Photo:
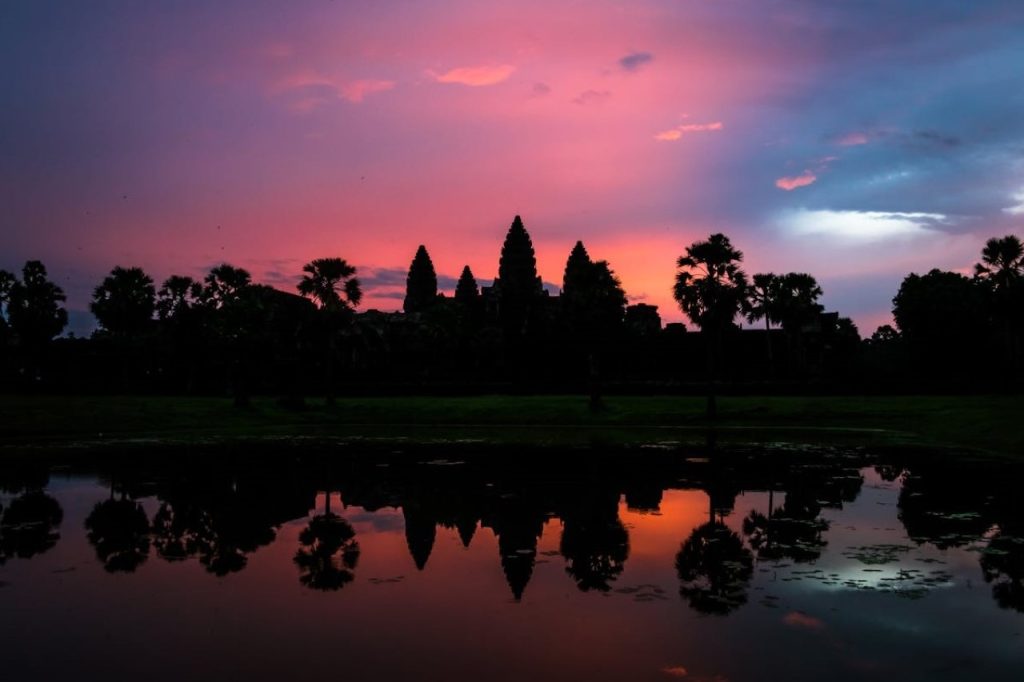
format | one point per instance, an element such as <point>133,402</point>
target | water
<point>457,562</point>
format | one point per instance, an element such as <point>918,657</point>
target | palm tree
<point>761,302</point>
<point>1002,268</point>
<point>711,289</point>
<point>332,284</point>
<point>124,303</point>
<point>1002,262</point>
<point>797,306</point>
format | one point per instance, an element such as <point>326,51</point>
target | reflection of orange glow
<point>802,620</point>
<point>652,536</point>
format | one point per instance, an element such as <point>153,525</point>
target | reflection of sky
<point>858,141</point>
<point>456,618</point>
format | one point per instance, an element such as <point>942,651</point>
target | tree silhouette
<point>178,296</point>
<point>711,289</point>
<point>118,530</point>
<point>124,303</point>
<point>420,284</point>
<point>7,281</point>
<point>1002,269</point>
<point>29,525</point>
<point>761,303</point>
<point>796,303</point>
<point>333,284</point>
<point>328,551</point>
<point>34,309</point>
<point>184,324</point>
<point>224,284</point>
<point>796,307</point>
<point>943,318</point>
<point>1002,262</point>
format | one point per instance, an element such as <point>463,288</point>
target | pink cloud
<point>852,139</point>
<point>790,183</point>
<point>677,132</point>
<point>475,76</point>
<point>352,91</point>
<point>357,90</point>
<point>799,619</point>
<point>303,79</point>
<point>675,671</point>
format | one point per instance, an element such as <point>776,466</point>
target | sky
<point>858,141</point>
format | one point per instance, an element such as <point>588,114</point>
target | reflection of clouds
<point>387,520</point>
<point>800,619</point>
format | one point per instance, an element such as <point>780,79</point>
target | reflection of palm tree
<point>218,527</point>
<point>119,531</point>
<point>943,507</point>
<point>1002,564</point>
<point>595,550</point>
<point>328,552</point>
<point>29,525</point>
<point>793,532</point>
<point>714,569</point>
<point>180,530</point>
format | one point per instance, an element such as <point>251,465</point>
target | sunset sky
<point>857,141</point>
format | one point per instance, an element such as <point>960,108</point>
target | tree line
<point>225,333</point>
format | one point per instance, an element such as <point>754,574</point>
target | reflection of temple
<point>219,517</point>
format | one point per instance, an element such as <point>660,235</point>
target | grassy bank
<point>987,423</point>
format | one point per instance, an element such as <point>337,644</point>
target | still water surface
<point>460,563</point>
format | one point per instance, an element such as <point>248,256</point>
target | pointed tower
<point>466,291</point>
<point>421,284</point>
<point>517,269</point>
<point>575,269</point>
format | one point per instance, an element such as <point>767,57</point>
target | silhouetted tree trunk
<point>768,342</point>
<point>712,350</point>
<point>332,350</point>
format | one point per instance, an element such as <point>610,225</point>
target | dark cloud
<point>634,60</point>
<point>931,137</point>
<point>541,89</point>
<point>592,97</point>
